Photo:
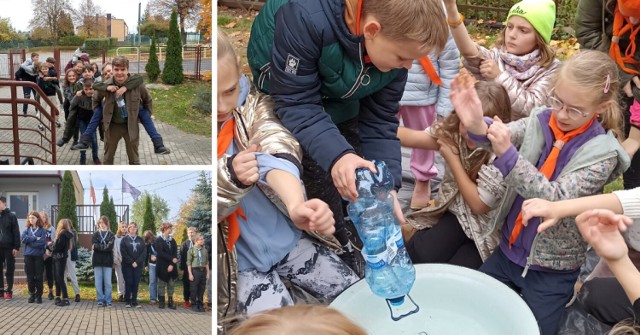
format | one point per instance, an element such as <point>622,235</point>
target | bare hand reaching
<point>467,104</point>
<point>500,136</point>
<point>313,215</point>
<point>245,165</point>
<point>601,229</point>
<point>343,173</point>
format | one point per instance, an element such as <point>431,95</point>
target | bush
<point>153,66</point>
<point>202,102</point>
<point>70,40</point>
<point>97,43</point>
<point>172,73</point>
<point>113,41</point>
<point>84,270</point>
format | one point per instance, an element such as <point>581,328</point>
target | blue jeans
<point>102,282</point>
<point>94,141</point>
<point>131,282</point>
<point>153,283</point>
<point>143,115</point>
<point>26,90</point>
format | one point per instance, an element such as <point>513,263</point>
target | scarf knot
<point>521,67</point>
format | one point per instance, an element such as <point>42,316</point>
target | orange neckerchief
<point>622,25</point>
<point>549,165</point>
<point>430,70</point>
<point>225,136</point>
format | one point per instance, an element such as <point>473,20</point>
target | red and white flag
<point>93,195</point>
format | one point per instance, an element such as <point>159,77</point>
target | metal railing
<point>17,130</point>
<point>88,216</point>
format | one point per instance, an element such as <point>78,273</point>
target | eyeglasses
<point>557,104</point>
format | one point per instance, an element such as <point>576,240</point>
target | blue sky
<point>19,15</point>
<point>173,186</point>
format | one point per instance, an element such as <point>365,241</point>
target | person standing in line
<point>48,262</point>
<point>152,256</point>
<point>9,246</point>
<point>102,243</point>
<point>184,248</point>
<point>197,264</point>
<point>117,259</point>
<point>167,265</point>
<point>70,270</point>
<point>59,251</point>
<point>133,255</point>
<point>33,238</point>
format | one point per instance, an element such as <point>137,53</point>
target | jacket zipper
<point>264,72</point>
<point>361,76</point>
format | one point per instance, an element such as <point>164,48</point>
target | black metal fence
<point>88,216</point>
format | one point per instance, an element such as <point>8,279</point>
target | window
<point>22,203</point>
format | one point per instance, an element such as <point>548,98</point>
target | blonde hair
<point>225,48</point>
<point>64,225</point>
<point>299,319</point>
<point>547,55</point>
<point>625,328</point>
<point>596,74</point>
<point>495,102</point>
<point>120,229</point>
<point>46,224</point>
<point>423,21</point>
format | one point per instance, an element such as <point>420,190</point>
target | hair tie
<point>607,84</point>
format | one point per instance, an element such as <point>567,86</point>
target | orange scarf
<point>225,136</point>
<point>621,26</point>
<point>549,165</point>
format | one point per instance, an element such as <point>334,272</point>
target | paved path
<point>186,149</point>
<point>86,317</point>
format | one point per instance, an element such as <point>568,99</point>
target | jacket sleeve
<point>162,251</point>
<point>523,100</point>
<point>15,230</point>
<point>228,193</point>
<point>142,256</point>
<point>25,238</point>
<point>96,100</point>
<point>39,243</point>
<point>378,126</point>
<point>183,254</point>
<point>588,24</point>
<point>449,66</point>
<point>298,101</point>
<point>133,81</point>
<point>189,257</point>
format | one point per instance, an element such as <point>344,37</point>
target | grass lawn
<point>175,106</point>
<point>88,291</point>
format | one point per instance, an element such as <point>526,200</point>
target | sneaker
<point>41,127</point>
<point>64,302</point>
<point>60,142</point>
<point>58,124</point>
<point>128,305</point>
<point>187,304</point>
<point>39,300</point>
<point>57,301</point>
<point>96,161</point>
<point>137,306</point>
<point>8,296</point>
<point>194,308</point>
<point>77,298</point>
<point>109,305</point>
<point>100,304</point>
<point>32,299</point>
<point>80,146</point>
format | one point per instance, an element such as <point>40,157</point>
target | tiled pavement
<point>186,149</point>
<point>85,317</point>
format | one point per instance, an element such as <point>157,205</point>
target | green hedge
<point>97,43</point>
<point>70,40</point>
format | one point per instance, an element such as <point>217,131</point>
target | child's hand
<point>500,137</point>
<point>169,268</point>
<point>533,208</point>
<point>489,69</point>
<point>343,173</point>
<point>601,229</point>
<point>313,215</point>
<point>191,277</point>
<point>245,166</point>
<point>447,150</point>
<point>121,91</point>
<point>112,88</point>
<point>467,104</point>
<point>79,93</point>
<point>153,258</point>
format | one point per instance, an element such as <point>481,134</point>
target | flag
<point>93,195</point>
<point>127,188</point>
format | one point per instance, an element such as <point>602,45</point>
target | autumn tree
<point>205,18</point>
<point>85,19</point>
<point>7,32</point>
<point>188,12</point>
<point>51,19</point>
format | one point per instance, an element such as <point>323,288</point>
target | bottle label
<point>377,261</point>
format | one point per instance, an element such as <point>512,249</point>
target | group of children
<point>120,101</point>
<point>527,126</point>
<point>124,251</point>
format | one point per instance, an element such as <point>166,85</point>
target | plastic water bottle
<point>389,270</point>
<point>123,107</point>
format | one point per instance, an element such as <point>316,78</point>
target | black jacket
<point>60,248</point>
<point>9,230</point>
<point>166,253</point>
<point>133,251</point>
<point>102,250</point>
<point>184,248</point>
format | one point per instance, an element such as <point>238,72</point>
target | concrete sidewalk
<point>86,317</point>
<point>186,149</point>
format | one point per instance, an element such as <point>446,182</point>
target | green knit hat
<point>540,13</point>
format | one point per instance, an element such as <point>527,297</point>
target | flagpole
<point>122,190</point>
